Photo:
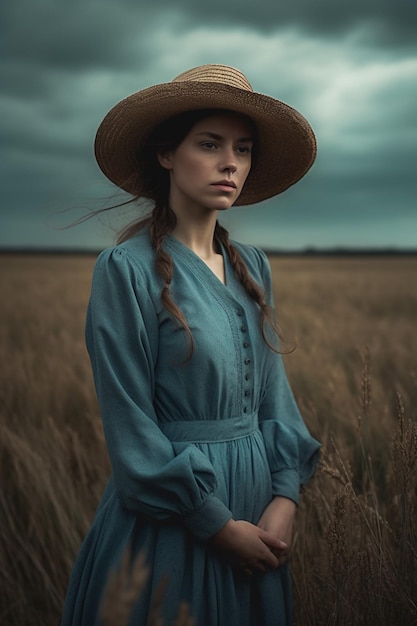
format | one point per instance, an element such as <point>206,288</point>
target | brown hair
<point>167,136</point>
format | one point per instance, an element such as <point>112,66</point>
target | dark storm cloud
<point>86,34</point>
<point>350,67</point>
<point>386,22</point>
<point>80,34</point>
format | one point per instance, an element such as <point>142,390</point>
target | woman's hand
<point>278,521</point>
<point>248,547</point>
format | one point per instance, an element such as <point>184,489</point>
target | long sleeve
<point>292,452</point>
<point>151,476</point>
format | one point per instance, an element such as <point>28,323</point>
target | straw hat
<point>287,145</point>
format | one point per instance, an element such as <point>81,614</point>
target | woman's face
<point>209,167</point>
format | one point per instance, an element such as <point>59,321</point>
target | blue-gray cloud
<point>351,68</point>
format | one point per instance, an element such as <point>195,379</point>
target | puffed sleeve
<point>292,452</point>
<point>122,341</point>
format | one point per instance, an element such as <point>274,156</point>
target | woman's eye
<point>243,149</point>
<point>209,145</point>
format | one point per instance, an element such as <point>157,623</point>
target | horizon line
<point>306,250</point>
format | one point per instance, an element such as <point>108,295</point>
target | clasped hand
<point>258,548</point>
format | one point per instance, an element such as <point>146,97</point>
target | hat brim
<point>287,145</point>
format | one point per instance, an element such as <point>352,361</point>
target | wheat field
<point>353,372</point>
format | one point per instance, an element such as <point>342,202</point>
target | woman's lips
<point>225,185</point>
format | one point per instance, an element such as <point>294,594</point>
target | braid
<point>162,221</point>
<point>251,287</point>
<point>152,182</point>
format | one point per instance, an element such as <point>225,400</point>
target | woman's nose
<point>228,163</point>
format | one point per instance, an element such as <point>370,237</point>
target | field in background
<point>354,373</point>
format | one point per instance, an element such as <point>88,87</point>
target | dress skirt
<point>217,594</point>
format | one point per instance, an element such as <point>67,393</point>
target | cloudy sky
<point>349,67</point>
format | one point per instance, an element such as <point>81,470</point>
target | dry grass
<point>354,374</point>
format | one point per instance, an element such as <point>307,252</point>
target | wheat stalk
<point>123,589</point>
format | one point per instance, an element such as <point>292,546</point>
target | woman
<point>208,449</point>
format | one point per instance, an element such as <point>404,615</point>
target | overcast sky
<point>349,67</point>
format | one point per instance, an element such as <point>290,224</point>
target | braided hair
<point>162,220</point>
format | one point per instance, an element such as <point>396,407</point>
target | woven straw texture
<point>287,145</point>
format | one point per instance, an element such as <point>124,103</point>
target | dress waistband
<point>211,430</point>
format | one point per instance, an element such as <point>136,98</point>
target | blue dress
<point>192,443</point>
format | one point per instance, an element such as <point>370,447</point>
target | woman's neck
<point>197,234</point>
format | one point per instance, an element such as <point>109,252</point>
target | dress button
<point>246,345</point>
<point>239,313</point>
<point>247,361</point>
<point>247,393</point>
<point>246,376</point>
<point>243,329</point>
<point>245,409</point>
